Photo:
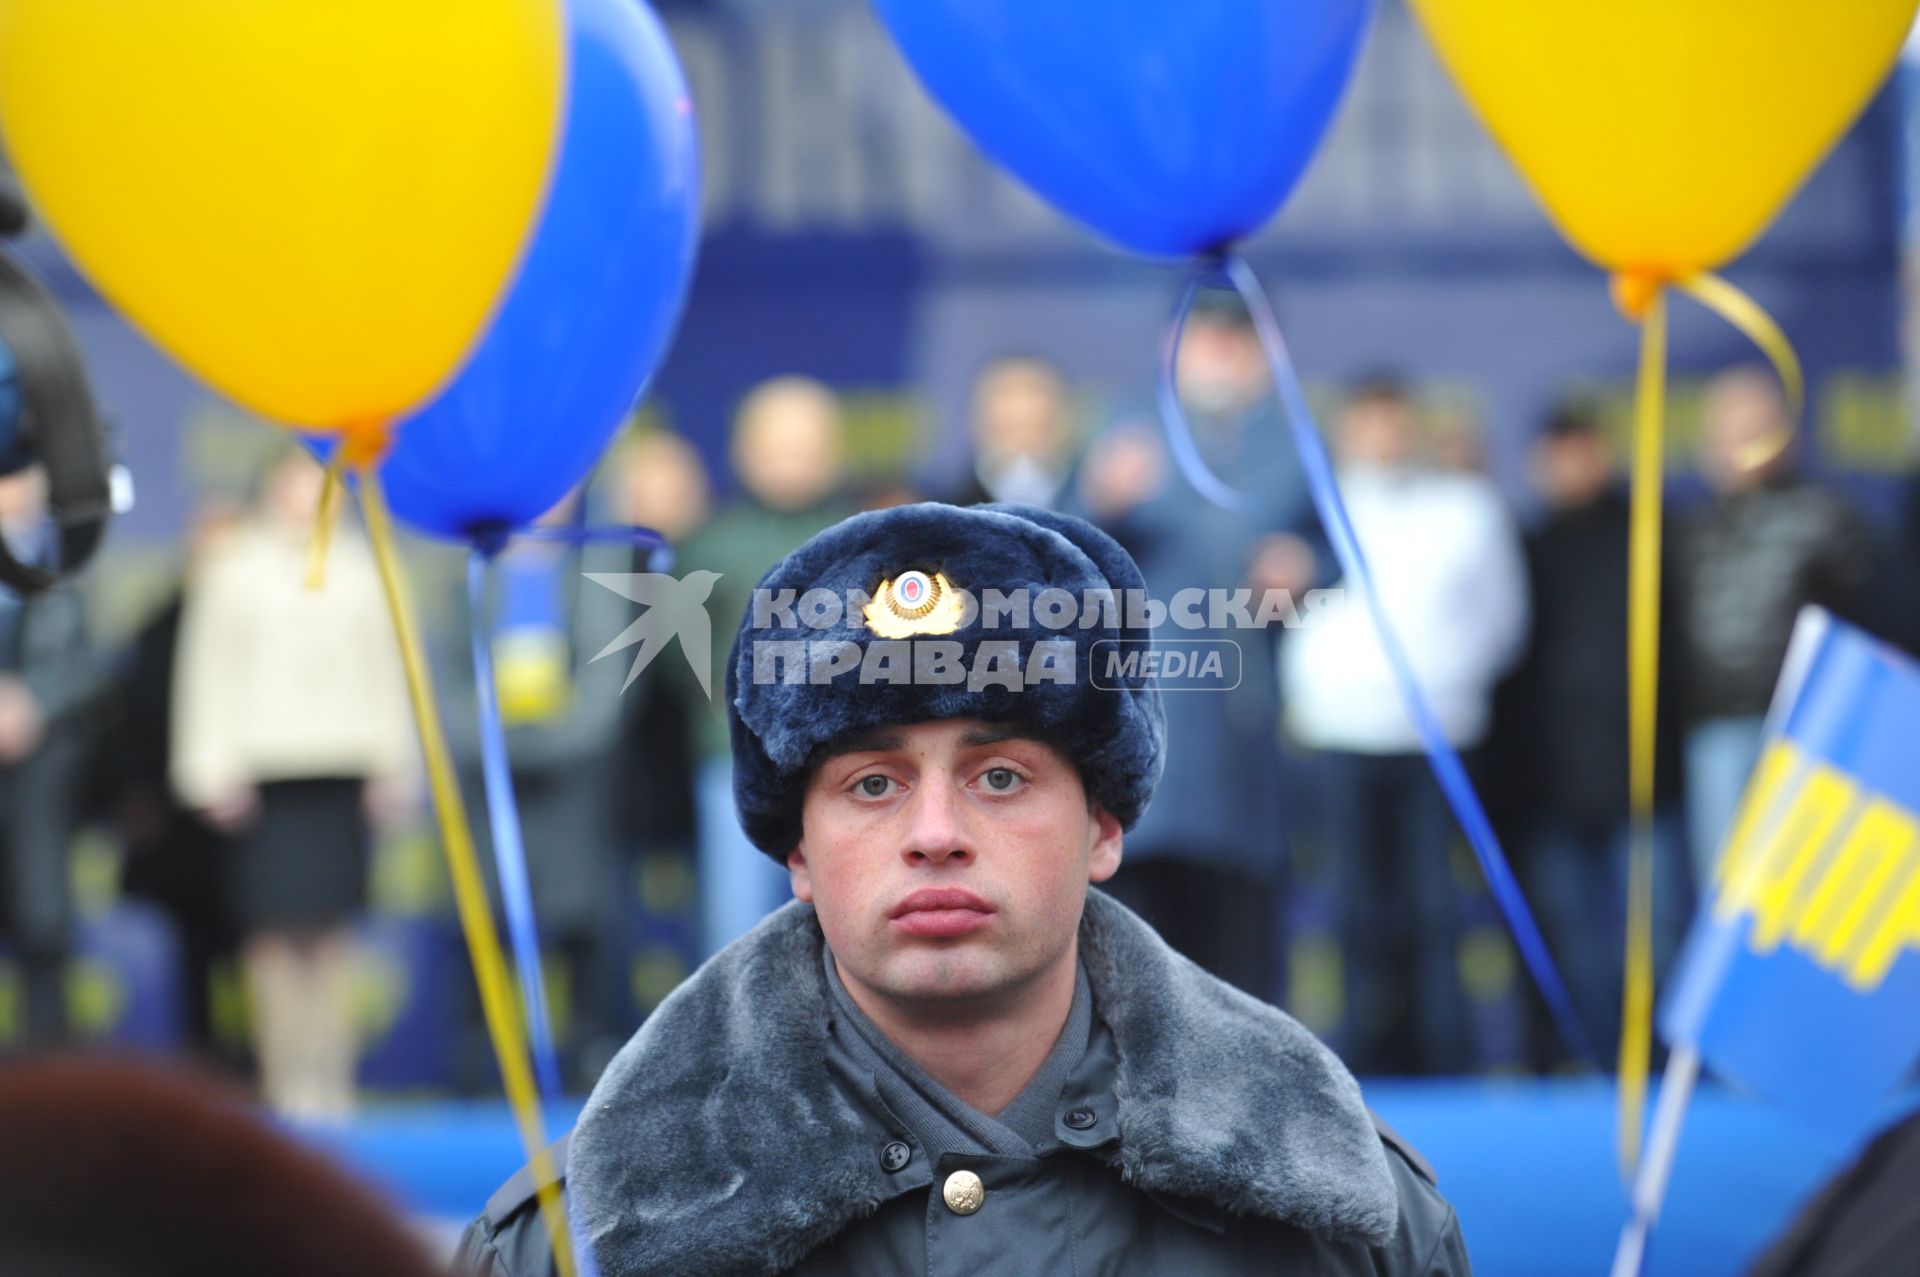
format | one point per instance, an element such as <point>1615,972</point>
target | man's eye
<point>1003,780</point>
<point>874,786</point>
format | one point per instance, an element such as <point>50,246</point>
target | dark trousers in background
<point>1224,920</point>
<point>1576,882</point>
<point>37,912</point>
<point>1388,837</point>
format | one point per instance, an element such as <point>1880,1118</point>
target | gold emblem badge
<point>914,603</point>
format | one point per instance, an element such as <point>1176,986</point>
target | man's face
<point>1220,367</point>
<point>1378,430</point>
<point>1744,413</point>
<point>1573,469</point>
<point>949,861</point>
<point>1019,410</point>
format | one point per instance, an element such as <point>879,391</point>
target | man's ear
<point>798,873</point>
<point>1104,857</point>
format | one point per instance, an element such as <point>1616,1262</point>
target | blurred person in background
<point>1769,543</point>
<point>1021,424</point>
<point>1560,742</point>
<point>560,713</point>
<point>121,1170</point>
<point>656,479</point>
<point>292,734</point>
<point>1457,439</point>
<point>1446,559</point>
<point>174,856</point>
<point>1205,864</point>
<point>46,679</point>
<point>787,452</point>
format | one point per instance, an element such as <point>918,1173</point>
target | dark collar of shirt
<point>1068,1104</point>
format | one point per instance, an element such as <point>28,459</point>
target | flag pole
<point>1650,1185</point>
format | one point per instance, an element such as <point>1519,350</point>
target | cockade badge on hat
<point>914,603</point>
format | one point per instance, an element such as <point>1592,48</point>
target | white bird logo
<point>676,609</point>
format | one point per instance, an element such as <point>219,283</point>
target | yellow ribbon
<point>1643,681</point>
<point>1643,300</point>
<point>323,521</point>
<point>1744,313</point>
<point>360,445</point>
<point>469,892</point>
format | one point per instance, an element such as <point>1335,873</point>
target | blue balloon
<point>1172,127</point>
<point>595,303</point>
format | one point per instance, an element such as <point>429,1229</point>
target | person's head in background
<point>121,1170</point>
<point>657,480</point>
<point>288,493</point>
<point>1572,463</point>
<point>1220,369</point>
<point>1741,428</point>
<point>1377,425</point>
<point>1456,439</point>
<point>787,443</point>
<point>214,515</point>
<point>1020,418</point>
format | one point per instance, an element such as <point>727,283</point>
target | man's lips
<point>941,911</point>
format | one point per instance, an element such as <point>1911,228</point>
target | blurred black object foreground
<point>48,419</point>
<point>116,1169</point>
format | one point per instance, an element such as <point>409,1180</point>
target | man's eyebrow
<point>881,741</point>
<point>874,742</point>
<point>994,734</point>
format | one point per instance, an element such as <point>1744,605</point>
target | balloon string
<point>1180,440</point>
<point>361,444</point>
<point>1448,770</point>
<point>1643,682</point>
<point>323,520</point>
<point>1642,299</point>
<point>503,809</point>
<point>470,897</point>
<point>1745,314</point>
<point>509,848</point>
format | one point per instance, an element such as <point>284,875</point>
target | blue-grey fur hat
<point>811,662</point>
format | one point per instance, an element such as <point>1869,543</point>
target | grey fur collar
<point>716,1142</point>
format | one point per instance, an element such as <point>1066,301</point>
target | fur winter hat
<point>1009,613</point>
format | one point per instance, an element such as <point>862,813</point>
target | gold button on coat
<point>964,1192</point>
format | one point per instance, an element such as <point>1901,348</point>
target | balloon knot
<point>364,444</point>
<point>1634,291</point>
<point>491,538</point>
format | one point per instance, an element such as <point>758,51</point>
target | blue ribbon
<point>503,811</point>
<point>1233,272</point>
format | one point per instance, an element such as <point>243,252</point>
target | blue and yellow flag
<point>1801,979</point>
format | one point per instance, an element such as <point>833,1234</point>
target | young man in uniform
<point>948,1055</point>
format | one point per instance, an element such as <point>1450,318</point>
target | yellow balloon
<point>1664,135</point>
<point>313,204</point>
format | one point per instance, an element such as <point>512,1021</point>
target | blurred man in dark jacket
<point>46,677</point>
<point>1560,743</point>
<point>788,451</point>
<point>1770,543</point>
<point>1206,871</point>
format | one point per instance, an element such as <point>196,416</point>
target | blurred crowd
<point>246,754</point>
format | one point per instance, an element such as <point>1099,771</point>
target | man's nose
<point>937,826</point>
